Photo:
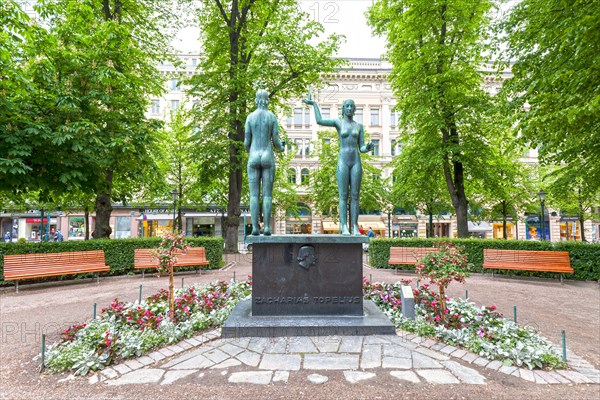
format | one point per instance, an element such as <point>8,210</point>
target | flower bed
<point>479,329</point>
<point>125,330</point>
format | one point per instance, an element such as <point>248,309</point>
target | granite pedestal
<point>306,285</point>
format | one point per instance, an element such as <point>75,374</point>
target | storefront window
<point>76,227</point>
<point>123,227</point>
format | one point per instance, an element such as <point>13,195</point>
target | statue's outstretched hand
<point>370,146</point>
<point>309,100</point>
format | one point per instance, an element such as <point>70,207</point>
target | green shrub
<point>118,253</point>
<point>585,257</point>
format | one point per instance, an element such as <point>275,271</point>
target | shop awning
<point>330,226</point>
<point>479,227</point>
<point>375,225</point>
<point>153,217</point>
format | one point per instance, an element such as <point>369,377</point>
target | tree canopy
<point>553,49</point>
<point>247,44</point>
<point>437,50</point>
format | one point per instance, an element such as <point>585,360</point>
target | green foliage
<point>554,96</point>
<point>585,257</point>
<point>248,44</point>
<point>117,253</point>
<point>437,51</point>
<point>443,266</point>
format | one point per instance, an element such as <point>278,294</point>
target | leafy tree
<point>177,163</point>
<point>421,188</point>
<point>95,67</point>
<point>574,195</point>
<point>14,88</point>
<point>553,48</point>
<point>437,50</point>
<point>244,42</point>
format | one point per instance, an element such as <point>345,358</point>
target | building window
<point>298,146</point>
<point>297,117</point>
<point>76,227</point>
<point>289,121</point>
<point>174,105</point>
<point>396,147</point>
<point>358,115</point>
<point>375,151</point>
<point>304,176</point>
<point>175,85</point>
<point>306,117</point>
<point>393,120</point>
<point>123,227</point>
<point>155,107</point>
<point>326,113</point>
<point>194,62</point>
<point>292,176</point>
<point>307,147</point>
<point>374,116</point>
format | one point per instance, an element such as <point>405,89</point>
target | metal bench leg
<point>97,277</point>
<point>492,274</point>
<point>143,272</point>
<point>17,286</point>
<point>561,281</point>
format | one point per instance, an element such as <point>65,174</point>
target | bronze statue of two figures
<point>262,134</point>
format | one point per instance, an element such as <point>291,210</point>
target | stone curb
<point>581,371</point>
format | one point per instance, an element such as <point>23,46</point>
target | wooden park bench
<point>40,265</point>
<point>194,257</point>
<point>527,260</point>
<point>408,255</point>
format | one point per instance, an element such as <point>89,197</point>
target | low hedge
<point>118,253</point>
<point>585,257</point>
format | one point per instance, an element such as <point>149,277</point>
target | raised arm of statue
<point>324,122</point>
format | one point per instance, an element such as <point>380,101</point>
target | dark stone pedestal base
<point>241,323</point>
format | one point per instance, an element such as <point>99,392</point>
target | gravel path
<point>544,304</point>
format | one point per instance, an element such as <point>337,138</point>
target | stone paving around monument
<point>261,361</point>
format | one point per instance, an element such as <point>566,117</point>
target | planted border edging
<point>585,257</point>
<point>118,253</point>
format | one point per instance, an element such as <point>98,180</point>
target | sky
<point>344,17</point>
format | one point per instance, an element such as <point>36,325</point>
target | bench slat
<point>195,256</point>
<point>409,255</point>
<point>527,260</point>
<point>38,265</point>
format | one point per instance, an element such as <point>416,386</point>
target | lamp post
<point>542,196</point>
<point>175,194</point>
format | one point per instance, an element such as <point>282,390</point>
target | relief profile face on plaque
<point>306,256</point>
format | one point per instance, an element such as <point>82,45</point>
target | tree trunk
<point>171,291</point>
<point>504,233</point>
<point>430,230</point>
<point>454,175</point>
<point>102,230</point>
<point>86,214</point>
<point>442,304</point>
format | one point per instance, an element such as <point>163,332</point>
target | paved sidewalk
<point>263,361</point>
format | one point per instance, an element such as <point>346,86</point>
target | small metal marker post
<point>371,279</point>
<point>140,300</point>
<point>182,283</point>
<point>564,345</point>
<point>94,310</point>
<point>515,313</point>
<point>467,294</point>
<point>44,351</point>
<point>233,276</point>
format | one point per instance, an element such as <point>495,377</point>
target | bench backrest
<point>409,255</point>
<point>547,259</point>
<point>145,257</point>
<point>17,265</point>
